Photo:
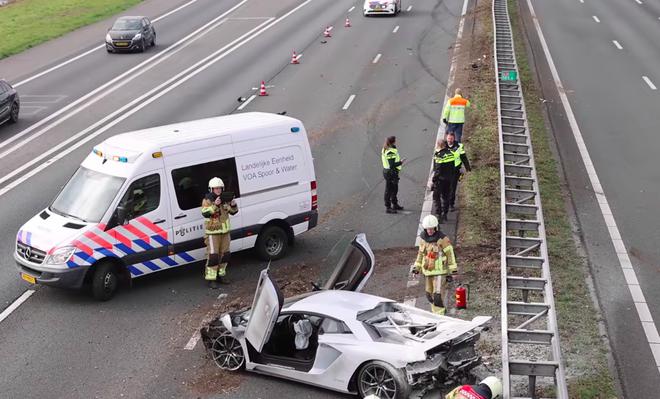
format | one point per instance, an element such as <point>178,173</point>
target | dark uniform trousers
<point>442,189</point>
<point>391,188</point>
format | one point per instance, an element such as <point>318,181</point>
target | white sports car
<point>391,7</point>
<point>344,340</point>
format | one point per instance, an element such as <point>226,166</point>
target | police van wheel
<point>272,243</point>
<point>105,282</point>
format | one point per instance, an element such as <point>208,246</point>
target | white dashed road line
<point>639,1</point>
<point>409,8</point>
<point>245,104</point>
<point>596,19</point>
<point>5,313</point>
<point>351,9</point>
<point>632,283</point>
<point>396,29</point>
<point>376,58</point>
<point>617,45</point>
<point>348,102</point>
<point>648,82</point>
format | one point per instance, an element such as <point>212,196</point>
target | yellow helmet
<point>216,182</point>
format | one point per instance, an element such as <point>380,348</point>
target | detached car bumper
<point>62,278</point>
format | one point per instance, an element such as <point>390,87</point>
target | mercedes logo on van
<point>27,253</point>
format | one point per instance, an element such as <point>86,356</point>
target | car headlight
<point>60,256</point>
<point>138,36</point>
<point>108,39</point>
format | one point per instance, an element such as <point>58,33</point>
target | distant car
<point>388,7</point>
<point>9,103</point>
<point>130,34</point>
<point>338,338</point>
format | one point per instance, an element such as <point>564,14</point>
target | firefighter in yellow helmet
<point>436,261</point>
<point>489,388</point>
<point>216,232</point>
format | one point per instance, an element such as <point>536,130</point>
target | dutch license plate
<point>121,44</point>
<point>28,278</point>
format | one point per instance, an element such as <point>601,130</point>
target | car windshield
<point>87,195</point>
<point>127,24</point>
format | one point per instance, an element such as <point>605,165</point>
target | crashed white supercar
<point>340,339</point>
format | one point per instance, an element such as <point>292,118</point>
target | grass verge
<point>27,23</point>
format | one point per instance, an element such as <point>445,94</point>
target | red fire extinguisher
<point>462,293</point>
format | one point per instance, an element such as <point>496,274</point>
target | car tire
<point>272,243</point>
<point>13,112</point>
<point>153,40</point>
<point>105,281</point>
<point>143,46</point>
<point>382,379</point>
<point>227,352</point>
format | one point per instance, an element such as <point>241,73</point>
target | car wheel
<point>13,113</point>
<point>153,40</point>
<point>227,352</point>
<point>105,281</point>
<point>382,380</point>
<point>143,46</point>
<point>272,243</point>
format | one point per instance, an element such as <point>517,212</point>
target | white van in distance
<point>134,205</point>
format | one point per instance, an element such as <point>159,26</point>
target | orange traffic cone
<point>294,58</point>
<point>347,24</point>
<point>326,32</point>
<point>262,89</point>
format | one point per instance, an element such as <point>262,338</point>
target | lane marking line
<point>348,102</point>
<point>376,58</point>
<point>245,104</point>
<point>639,1</point>
<point>76,58</point>
<point>596,18</point>
<point>396,29</point>
<point>14,305</point>
<point>141,68</point>
<point>582,1</point>
<point>138,103</point>
<point>351,9</point>
<point>617,45</point>
<point>409,8</point>
<point>624,261</point>
<point>192,342</point>
<point>648,82</point>
<point>427,205</point>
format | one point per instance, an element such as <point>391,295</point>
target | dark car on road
<point>130,34</point>
<point>9,103</point>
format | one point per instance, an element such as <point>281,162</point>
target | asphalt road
<point>63,344</point>
<point>602,51</point>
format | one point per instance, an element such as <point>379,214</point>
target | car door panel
<point>266,306</point>
<point>354,268</point>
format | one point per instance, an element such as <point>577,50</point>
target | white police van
<point>133,206</point>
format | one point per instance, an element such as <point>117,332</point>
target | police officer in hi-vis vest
<point>392,163</point>
<point>216,228</point>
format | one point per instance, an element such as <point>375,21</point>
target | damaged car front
<point>443,347</point>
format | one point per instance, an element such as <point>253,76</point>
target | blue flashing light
<point>295,129</point>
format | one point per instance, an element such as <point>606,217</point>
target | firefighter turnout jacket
<point>454,111</point>
<point>216,218</point>
<point>436,254</point>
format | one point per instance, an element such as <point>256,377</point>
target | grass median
<point>27,23</point>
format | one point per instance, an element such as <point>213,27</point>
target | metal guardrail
<point>530,349</point>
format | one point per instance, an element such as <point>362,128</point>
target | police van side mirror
<point>121,215</point>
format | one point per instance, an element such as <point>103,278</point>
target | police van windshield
<point>87,195</point>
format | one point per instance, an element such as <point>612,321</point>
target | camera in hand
<point>227,196</point>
